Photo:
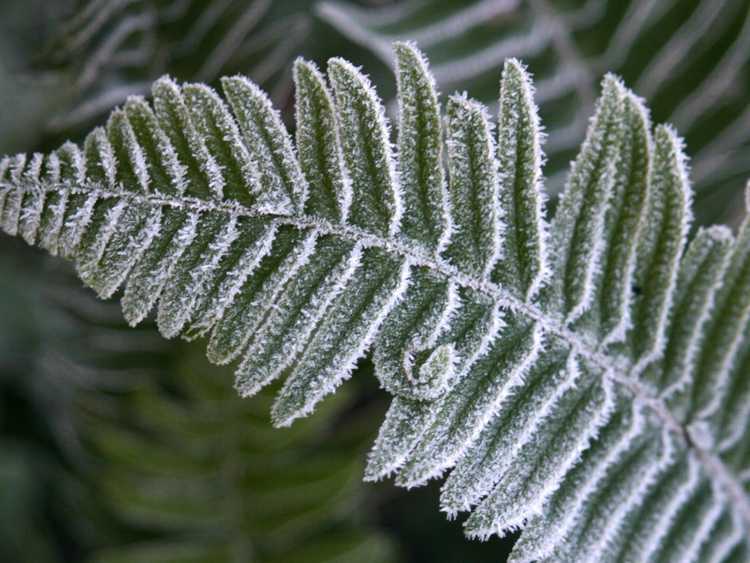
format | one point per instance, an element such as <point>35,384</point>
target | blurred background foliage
<point>118,446</point>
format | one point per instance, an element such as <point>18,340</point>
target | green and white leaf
<point>585,380</point>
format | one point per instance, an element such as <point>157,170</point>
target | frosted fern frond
<point>690,60</point>
<point>584,379</point>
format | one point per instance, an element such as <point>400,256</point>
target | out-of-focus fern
<point>176,466</point>
<point>37,489</point>
<point>584,379</point>
<point>116,48</point>
<point>28,98</point>
<point>203,478</point>
<point>690,60</point>
<point>27,475</point>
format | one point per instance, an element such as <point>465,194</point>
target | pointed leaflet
<point>33,204</point>
<point>11,212</point>
<point>72,163</point>
<point>376,197</point>
<point>404,423</point>
<point>154,269</point>
<point>567,509</point>
<point>33,172</point>
<point>619,500</point>
<point>523,263</point>
<point>283,188</point>
<point>106,216</point>
<point>539,466</point>
<point>604,513</point>
<point>4,168</point>
<point>286,329</point>
<point>343,336</point>
<point>214,123</point>
<point>675,486</point>
<point>134,230</point>
<point>253,243</point>
<point>193,272</point>
<point>729,424</point>
<point>6,185</point>
<point>420,171</point>
<point>699,280</point>
<point>515,425</point>
<point>53,214</point>
<point>474,243</point>
<point>132,171</point>
<point>100,163</point>
<point>318,145</point>
<point>579,221</point>
<point>53,211</point>
<point>726,332</point>
<point>164,167</point>
<point>82,216</point>
<point>610,308</point>
<point>731,417</point>
<point>203,177</point>
<point>290,251</point>
<point>660,245</point>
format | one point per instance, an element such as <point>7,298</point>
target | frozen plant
<point>585,380</point>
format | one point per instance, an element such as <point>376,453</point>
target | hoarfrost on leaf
<point>522,360</point>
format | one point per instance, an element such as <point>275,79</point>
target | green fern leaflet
<point>585,380</point>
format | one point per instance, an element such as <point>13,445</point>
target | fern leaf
<point>611,300</point>
<point>263,130</point>
<point>583,379</point>
<point>580,218</point>
<point>319,146</point>
<point>425,218</point>
<point>368,155</point>
<point>524,260</point>
<point>473,188</point>
<point>661,245</point>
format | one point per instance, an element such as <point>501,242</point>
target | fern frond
<point>540,364</point>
